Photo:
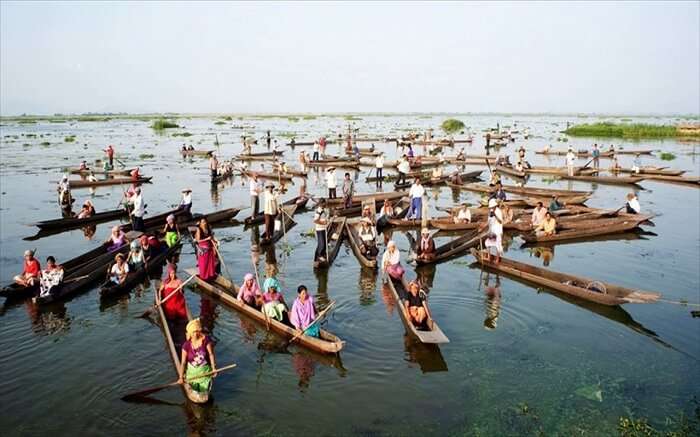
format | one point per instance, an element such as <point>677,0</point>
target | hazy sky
<point>342,57</point>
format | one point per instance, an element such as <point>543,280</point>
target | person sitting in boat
<point>171,231</point>
<point>186,202</point>
<point>410,155</point>
<point>119,270</point>
<point>88,210</point>
<point>197,358</point>
<point>387,210</point>
<point>116,239</point>
<point>135,259</point>
<point>456,178</point>
<point>356,151</point>
<point>495,179</point>
<point>184,149</point>
<point>83,166</point>
<point>391,261</point>
<point>548,226</point>
<point>414,302</point>
<point>426,246</point>
<point>51,276</point>
<point>190,147</point>
<point>611,150</point>
<point>273,301</point>
<point>148,248</point>
<point>31,271</point>
<point>106,166</point>
<point>368,237</point>
<point>172,296</point>
<point>461,155</point>
<point>436,174</point>
<point>463,215</point>
<point>555,204</point>
<point>371,147</point>
<point>495,237</point>
<point>249,292</point>
<point>632,206</point>
<point>519,166</point>
<point>615,164</point>
<point>538,214</point>
<point>498,193</point>
<point>303,313</point>
<point>367,214</point>
<point>508,214</point>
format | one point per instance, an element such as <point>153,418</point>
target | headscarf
<point>245,291</point>
<point>170,218</point>
<point>135,245</point>
<point>193,326</point>
<point>144,240</point>
<point>272,282</point>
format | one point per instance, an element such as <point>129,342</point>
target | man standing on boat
<point>186,202</point>
<point>331,182</point>
<point>213,166</point>
<point>316,149</point>
<point>570,161</point>
<point>379,166</point>
<point>416,194</point>
<point>269,210</point>
<point>495,225</point>
<point>404,168</point>
<point>321,227</point>
<point>254,194</point>
<point>596,156</point>
<point>138,211</point>
<point>348,190</point>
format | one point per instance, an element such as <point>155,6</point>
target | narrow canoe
<point>622,225</point>
<point>578,286</point>
<point>287,212</point>
<point>336,228</point>
<point>74,222</point>
<point>557,170</point>
<point>612,180</point>
<point>257,154</point>
<point>688,181</point>
<point>221,177</point>
<point>225,291</point>
<point>510,171</point>
<point>651,171</point>
<point>299,201</point>
<point>175,350</point>
<point>524,191</point>
<point>196,152</point>
<point>358,198</point>
<point>115,181</point>
<point>269,176</point>
<point>291,171</point>
<point>455,247</point>
<point>431,335</point>
<point>355,243</point>
<point>603,154</point>
<point>351,163</point>
<point>158,220</point>
<point>99,171</point>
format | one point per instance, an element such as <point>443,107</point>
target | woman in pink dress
<point>206,250</point>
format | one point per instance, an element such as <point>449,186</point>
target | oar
<point>262,309</point>
<point>120,162</point>
<point>221,258</point>
<point>155,305</point>
<point>152,390</point>
<point>316,320</point>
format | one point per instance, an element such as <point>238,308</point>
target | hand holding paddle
<point>156,305</point>
<point>152,390</point>
<point>316,320</point>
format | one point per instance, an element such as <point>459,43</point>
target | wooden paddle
<point>316,320</point>
<point>120,162</point>
<point>152,390</point>
<point>155,305</point>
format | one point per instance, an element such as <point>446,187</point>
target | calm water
<point>574,367</point>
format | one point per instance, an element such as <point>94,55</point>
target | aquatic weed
<point>162,123</point>
<point>452,125</point>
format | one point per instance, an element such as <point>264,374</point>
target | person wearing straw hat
<point>119,270</point>
<point>368,237</point>
<point>186,202</point>
<point>331,182</point>
<point>570,161</point>
<point>426,247</point>
<point>197,358</point>
<point>270,209</point>
<point>495,225</point>
<point>64,197</point>
<point>31,271</point>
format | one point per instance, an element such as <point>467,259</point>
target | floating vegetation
<point>27,122</point>
<point>635,130</point>
<point>293,119</point>
<point>69,139</point>
<point>352,118</point>
<point>92,118</point>
<point>146,156</point>
<point>309,117</point>
<point>45,143</point>
<point>452,125</point>
<point>227,118</point>
<point>219,122</point>
<point>287,134</point>
<point>29,135</point>
<point>57,120</point>
<point>667,156</point>
<point>162,123</point>
<point>182,134</point>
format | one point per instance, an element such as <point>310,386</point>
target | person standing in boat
<point>270,210</point>
<point>331,182</point>
<point>321,227</point>
<point>488,142</point>
<point>426,247</point>
<point>379,167</point>
<point>64,195</point>
<point>172,296</point>
<point>404,168</point>
<point>596,156</point>
<point>547,227</point>
<point>110,156</point>
<point>31,271</point>
<point>213,166</point>
<point>171,231</point>
<point>632,206</point>
<point>316,149</point>
<point>197,358</point>
<point>254,190</point>
<point>322,143</point>
<point>495,225</point>
<point>637,164</point>
<point>538,214</point>
<point>138,211</point>
<point>416,194</point>
<point>206,250</point>
<point>348,190</point>
<point>303,313</point>
<point>51,277</point>
<point>303,161</point>
<point>186,202</point>
<point>570,161</point>
<point>498,194</point>
<point>83,166</point>
<point>391,261</point>
<point>268,139</point>
<point>249,292</point>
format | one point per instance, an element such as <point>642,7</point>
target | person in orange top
<point>110,155</point>
<point>174,307</point>
<point>32,269</point>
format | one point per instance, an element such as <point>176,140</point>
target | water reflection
<point>546,253</point>
<point>428,356</point>
<point>368,284</point>
<point>321,297</point>
<point>48,319</point>
<point>492,302</point>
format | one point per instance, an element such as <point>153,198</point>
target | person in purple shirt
<point>304,313</point>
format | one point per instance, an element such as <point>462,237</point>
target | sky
<point>318,57</point>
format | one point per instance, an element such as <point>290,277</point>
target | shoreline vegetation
<point>634,130</point>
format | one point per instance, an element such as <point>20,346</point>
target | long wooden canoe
<point>603,154</point>
<point>226,292</point>
<point>358,198</point>
<point>115,181</point>
<point>557,171</point>
<point>622,225</point>
<point>355,243</point>
<point>612,180</point>
<point>299,201</point>
<point>137,276</point>
<point>688,181</point>
<point>588,289</point>
<point>510,171</point>
<point>336,228</point>
<point>286,213</point>
<point>650,171</point>
<point>196,152</point>
<point>524,191</point>
<point>431,334</point>
<point>175,350</point>
<point>351,163</point>
<point>158,220</point>
<point>222,177</point>
<point>74,222</point>
<point>454,248</point>
<point>268,176</point>
<point>99,171</point>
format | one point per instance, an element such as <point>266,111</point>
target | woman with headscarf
<point>172,232</point>
<point>88,210</point>
<point>426,247</point>
<point>304,313</point>
<point>206,250</point>
<point>249,291</point>
<point>197,357</point>
<point>391,261</point>
<point>174,308</point>
<point>116,239</point>
<point>119,270</point>
<point>135,258</point>
<point>273,301</point>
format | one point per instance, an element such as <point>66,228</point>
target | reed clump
<point>452,125</point>
<point>628,130</point>
<point>162,123</point>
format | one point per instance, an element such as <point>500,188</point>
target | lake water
<point>547,363</point>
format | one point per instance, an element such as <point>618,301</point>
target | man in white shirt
<point>213,166</point>
<point>321,227</point>
<point>186,202</point>
<point>495,225</point>
<point>379,166</point>
<point>254,192</point>
<point>316,150</point>
<point>269,210</point>
<point>463,214</point>
<point>331,182</point>
<point>138,211</point>
<point>404,168</point>
<point>570,160</point>
<point>416,194</point>
<point>538,214</point>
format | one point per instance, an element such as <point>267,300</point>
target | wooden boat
<point>287,223</point>
<point>336,227</point>
<point>271,158</point>
<point>257,154</point>
<point>290,171</point>
<point>226,292</point>
<point>86,274</point>
<point>196,152</point>
<point>584,288</point>
<point>222,177</point>
<point>525,191</point>
<point>430,181</point>
<point>133,278</point>
<point>301,143</point>
<point>588,154</point>
<point>510,171</point>
<point>351,163</point>
<point>401,207</point>
<point>158,221</point>
<point>622,225</point>
<point>566,200</point>
<point>115,181</point>
<point>74,222</point>
<point>650,171</point>
<point>557,171</point>
<point>454,248</point>
<point>99,171</point>
<point>429,334</point>
<point>358,198</point>
<point>268,176</point>
<point>175,350</point>
<point>299,201</point>
<point>688,181</point>
<point>355,243</point>
<point>612,180</point>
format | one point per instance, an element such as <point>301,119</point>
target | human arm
<point>183,363</point>
<point>212,357</point>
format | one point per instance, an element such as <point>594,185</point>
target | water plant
<point>162,123</point>
<point>182,134</point>
<point>667,156</point>
<point>146,156</point>
<point>627,130</point>
<point>452,125</point>
<point>219,122</point>
<point>293,119</point>
<point>69,139</point>
<point>352,118</point>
